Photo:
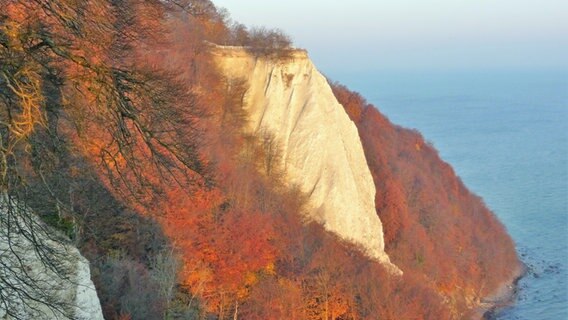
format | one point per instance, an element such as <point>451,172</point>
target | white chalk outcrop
<point>320,146</point>
<point>29,285</point>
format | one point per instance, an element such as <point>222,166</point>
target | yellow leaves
<point>250,280</point>
<point>270,269</point>
<point>22,78</point>
<point>26,85</point>
<point>196,276</point>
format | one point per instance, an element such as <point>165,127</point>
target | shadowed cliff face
<point>289,101</point>
<point>45,277</point>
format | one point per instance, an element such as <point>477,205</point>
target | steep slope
<point>237,229</point>
<point>434,226</point>
<point>289,101</point>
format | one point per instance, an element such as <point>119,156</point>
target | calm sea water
<point>506,135</point>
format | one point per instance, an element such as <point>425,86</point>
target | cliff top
<point>241,51</point>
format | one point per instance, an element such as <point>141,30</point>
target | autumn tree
<point>435,229</point>
<point>69,71</point>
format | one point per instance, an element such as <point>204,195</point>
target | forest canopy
<point>117,130</point>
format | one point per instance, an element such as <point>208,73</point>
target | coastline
<point>502,297</point>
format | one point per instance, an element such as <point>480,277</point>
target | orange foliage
<point>239,230</point>
<point>223,248</point>
<point>434,227</point>
<point>246,250</point>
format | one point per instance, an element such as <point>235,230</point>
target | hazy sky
<point>450,34</point>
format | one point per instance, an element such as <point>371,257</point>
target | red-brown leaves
<point>434,227</point>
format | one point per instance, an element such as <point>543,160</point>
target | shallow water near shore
<point>506,135</point>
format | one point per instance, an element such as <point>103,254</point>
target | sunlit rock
<point>289,99</point>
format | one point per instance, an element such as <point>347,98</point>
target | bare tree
<point>165,269</point>
<point>34,267</point>
<point>261,41</point>
<point>69,71</point>
<point>263,38</point>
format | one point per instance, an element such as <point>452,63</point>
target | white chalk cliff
<point>320,146</point>
<point>29,284</point>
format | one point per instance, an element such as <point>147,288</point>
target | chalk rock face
<point>320,147</point>
<point>30,285</point>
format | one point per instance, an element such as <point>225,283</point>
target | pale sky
<point>417,34</point>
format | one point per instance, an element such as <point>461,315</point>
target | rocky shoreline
<point>503,297</point>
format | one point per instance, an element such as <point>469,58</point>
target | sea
<point>506,135</point>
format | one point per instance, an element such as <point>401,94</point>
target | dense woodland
<point>116,129</point>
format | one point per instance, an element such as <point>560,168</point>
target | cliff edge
<point>320,149</point>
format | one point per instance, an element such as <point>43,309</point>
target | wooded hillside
<point>116,128</point>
